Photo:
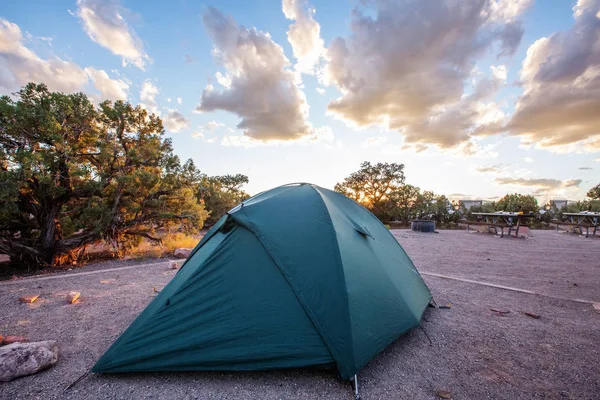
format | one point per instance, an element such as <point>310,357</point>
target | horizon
<point>486,98</point>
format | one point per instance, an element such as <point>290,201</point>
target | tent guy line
<point>513,289</point>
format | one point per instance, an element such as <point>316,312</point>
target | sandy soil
<point>474,353</point>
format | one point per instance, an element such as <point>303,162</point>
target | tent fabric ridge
<point>311,316</point>
<point>243,203</point>
<point>338,259</point>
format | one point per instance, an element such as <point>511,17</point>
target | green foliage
<point>221,194</point>
<point>594,193</point>
<point>73,174</point>
<point>381,189</point>
<point>373,186</point>
<point>517,203</point>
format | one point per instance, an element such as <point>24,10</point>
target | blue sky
<point>406,89</point>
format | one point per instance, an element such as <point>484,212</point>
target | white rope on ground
<point>513,289</point>
<point>69,275</point>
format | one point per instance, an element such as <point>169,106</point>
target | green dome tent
<point>295,276</point>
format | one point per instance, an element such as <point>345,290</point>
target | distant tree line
<point>73,174</point>
<point>382,189</point>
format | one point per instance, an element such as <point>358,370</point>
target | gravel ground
<point>474,353</point>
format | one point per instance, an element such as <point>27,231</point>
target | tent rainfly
<point>296,276</point>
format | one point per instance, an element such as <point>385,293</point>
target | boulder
<point>182,253</point>
<point>20,359</point>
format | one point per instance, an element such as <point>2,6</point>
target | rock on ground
<point>182,253</point>
<point>20,359</point>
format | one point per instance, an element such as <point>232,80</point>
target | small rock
<point>174,265</point>
<point>20,359</point>
<point>13,339</point>
<point>29,298</point>
<point>443,394</point>
<point>182,253</point>
<point>73,296</point>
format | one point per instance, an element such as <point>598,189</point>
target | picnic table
<point>585,219</point>
<point>500,220</point>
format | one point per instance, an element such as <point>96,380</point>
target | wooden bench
<point>577,226</point>
<point>490,226</point>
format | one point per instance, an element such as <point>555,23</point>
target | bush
<point>169,243</point>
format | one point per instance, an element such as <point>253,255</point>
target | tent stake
<point>355,380</point>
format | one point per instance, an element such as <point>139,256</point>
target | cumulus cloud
<point>105,24</point>
<point>20,65</point>
<point>257,85</point>
<point>407,65</point>
<point>148,96</point>
<point>174,121</point>
<point>304,35</point>
<point>561,80</point>
<point>110,89</point>
<point>179,100</point>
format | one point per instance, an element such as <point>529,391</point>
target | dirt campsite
<point>516,319</point>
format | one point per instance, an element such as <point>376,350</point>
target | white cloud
<point>542,186</point>
<point>105,24</point>
<point>320,90</point>
<point>110,89</point>
<point>561,78</point>
<point>148,97</point>
<point>304,35</point>
<point>20,65</point>
<point>179,100</point>
<point>211,126</point>
<point>259,86</point>
<point>472,148</point>
<point>528,159</point>
<point>408,64</point>
<point>174,121</point>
